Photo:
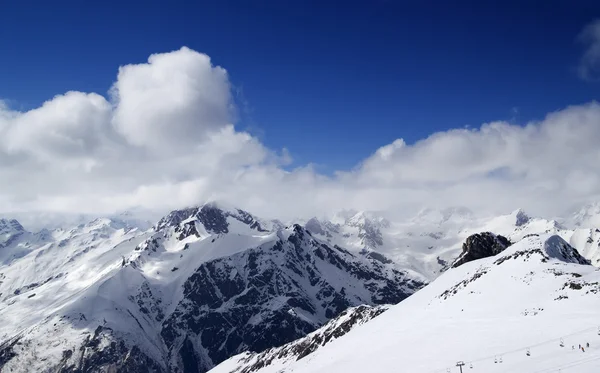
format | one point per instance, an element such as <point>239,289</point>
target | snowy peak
<point>587,217</point>
<point>369,227</point>
<point>12,234</point>
<point>557,248</point>
<point>106,223</point>
<point>520,217</point>
<point>519,224</point>
<point>214,218</point>
<point>364,218</point>
<point>10,227</point>
<point>547,247</point>
<point>314,225</point>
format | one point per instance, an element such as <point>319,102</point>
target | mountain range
<point>215,284</point>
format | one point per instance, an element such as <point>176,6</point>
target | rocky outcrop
<point>481,245</point>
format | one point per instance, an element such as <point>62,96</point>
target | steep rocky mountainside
<point>205,284</point>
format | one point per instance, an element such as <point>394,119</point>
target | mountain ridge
<point>113,290</point>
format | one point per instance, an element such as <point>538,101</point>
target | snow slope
<point>488,313</point>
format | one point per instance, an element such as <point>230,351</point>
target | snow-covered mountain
<point>426,244</point>
<point>204,284</point>
<point>432,240</point>
<point>526,309</point>
<point>209,282</point>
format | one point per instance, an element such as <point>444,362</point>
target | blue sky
<point>330,82</point>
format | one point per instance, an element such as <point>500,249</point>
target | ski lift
<point>599,330</point>
<point>500,360</point>
<point>470,365</point>
<point>495,359</point>
<point>448,370</point>
<point>528,352</point>
<point>562,343</point>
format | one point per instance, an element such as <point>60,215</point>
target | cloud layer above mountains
<point>164,139</point>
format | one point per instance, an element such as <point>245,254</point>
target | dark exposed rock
<point>11,225</point>
<point>481,245</point>
<point>249,301</point>
<point>213,218</point>
<point>174,218</point>
<point>187,229</point>
<point>521,218</point>
<point>7,351</point>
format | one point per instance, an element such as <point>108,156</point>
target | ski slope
<point>486,313</point>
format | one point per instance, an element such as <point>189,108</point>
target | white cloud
<point>69,127</point>
<point>171,102</point>
<point>589,65</point>
<point>165,141</point>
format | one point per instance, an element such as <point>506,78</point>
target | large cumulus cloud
<point>164,139</point>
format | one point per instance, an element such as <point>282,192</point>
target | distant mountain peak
<point>588,216</point>
<point>521,217</point>
<point>10,225</point>
<point>212,215</point>
<point>556,247</point>
<point>363,218</point>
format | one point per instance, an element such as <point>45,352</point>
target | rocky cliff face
<point>481,245</point>
<point>268,296</point>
